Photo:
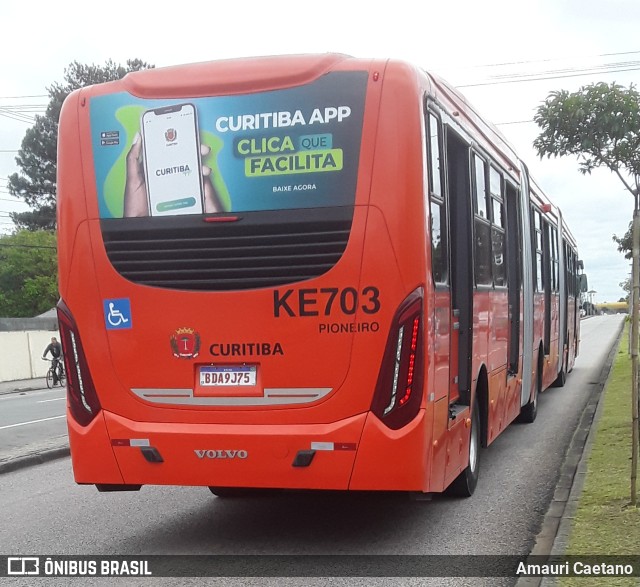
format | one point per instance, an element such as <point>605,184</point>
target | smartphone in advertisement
<point>172,160</point>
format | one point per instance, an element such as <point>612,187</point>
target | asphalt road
<point>44,512</point>
<point>29,417</point>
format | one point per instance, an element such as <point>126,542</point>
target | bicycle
<point>50,373</point>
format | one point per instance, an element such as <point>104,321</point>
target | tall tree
<point>600,125</point>
<point>28,273</point>
<point>625,243</point>
<point>36,181</point>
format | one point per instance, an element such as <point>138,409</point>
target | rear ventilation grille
<point>259,249</point>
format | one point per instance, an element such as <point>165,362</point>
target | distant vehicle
<point>613,308</point>
<point>344,279</point>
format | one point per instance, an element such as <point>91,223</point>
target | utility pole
<point>634,345</point>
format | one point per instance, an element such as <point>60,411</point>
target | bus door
<point>450,225</point>
<point>546,283</point>
<point>561,287</point>
<point>461,266</point>
<point>528,285</point>
<point>445,343</point>
<point>514,276</point>
<point>449,207</point>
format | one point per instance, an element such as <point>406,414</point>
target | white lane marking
<point>55,399</point>
<point>32,422</point>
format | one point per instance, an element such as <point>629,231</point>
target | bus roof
<point>254,74</point>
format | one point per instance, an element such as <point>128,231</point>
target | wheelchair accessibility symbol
<point>117,314</point>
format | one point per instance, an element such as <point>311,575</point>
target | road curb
<point>37,458</point>
<point>28,387</point>
<point>556,528</point>
<point>20,390</point>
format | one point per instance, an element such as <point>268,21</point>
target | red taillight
<point>398,392</point>
<point>413,349</point>
<point>81,393</point>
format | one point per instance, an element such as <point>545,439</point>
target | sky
<point>535,47</point>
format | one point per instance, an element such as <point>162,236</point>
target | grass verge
<point>605,523</point>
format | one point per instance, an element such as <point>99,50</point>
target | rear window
<point>285,149</point>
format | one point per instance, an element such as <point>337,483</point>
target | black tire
<point>562,376</point>
<point>231,492</point>
<point>50,378</point>
<point>465,484</point>
<point>62,378</point>
<point>529,411</point>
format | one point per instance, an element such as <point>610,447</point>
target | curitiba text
<point>262,120</point>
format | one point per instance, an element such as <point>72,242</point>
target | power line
<point>18,117</point>
<point>15,246</point>
<point>595,68</point>
<point>512,122</point>
<point>20,97</point>
<point>544,78</point>
<point>3,191</point>
<point>25,106</point>
<point>551,59</point>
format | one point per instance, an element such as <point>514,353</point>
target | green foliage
<point>599,124</point>
<point>625,243</point>
<point>626,286</point>
<point>36,182</point>
<point>28,273</point>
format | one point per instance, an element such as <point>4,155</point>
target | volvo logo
<point>221,454</point>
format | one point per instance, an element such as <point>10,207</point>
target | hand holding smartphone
<point>172,165</point>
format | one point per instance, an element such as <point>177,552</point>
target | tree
<point>600,125</point>
<point>28,273</point>
<point>625,243</point>
<point>36,182</point>
<point>626,286</point>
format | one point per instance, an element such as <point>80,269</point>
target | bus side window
<point>537,242</point>
<point>438,241</point>
<point>435,163</point>
<point>482,227</point>
<point>498,224</point>
<point>555,260</point>
<point>437,208</point>
<point>480,188</point>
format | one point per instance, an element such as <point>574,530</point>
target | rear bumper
<point>355,453</point>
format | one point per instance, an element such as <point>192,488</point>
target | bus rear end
<point>242,276</point>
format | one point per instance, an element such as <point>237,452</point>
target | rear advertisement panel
<point>282,149</point>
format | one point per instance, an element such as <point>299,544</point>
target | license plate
<point>230,376</point>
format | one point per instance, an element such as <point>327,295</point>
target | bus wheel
<point>230,492</point>
<point>465,484</point>
<point>529,411</point>
<point>562,376</point>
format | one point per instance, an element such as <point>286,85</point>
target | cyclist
<point>55,348</point>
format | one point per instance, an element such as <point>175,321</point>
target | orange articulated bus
<point>303,272</point>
